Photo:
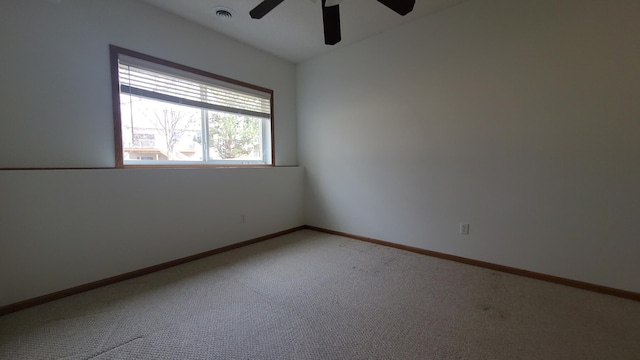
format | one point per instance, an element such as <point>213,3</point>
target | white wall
<point>56,86</point>
<point>519,117</point>
<point>60,229</point>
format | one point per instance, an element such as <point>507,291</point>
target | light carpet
<point>310,295</point>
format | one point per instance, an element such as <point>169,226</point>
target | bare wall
<point>56,89</point>
<point>519,117</point>
<point>60,229</point>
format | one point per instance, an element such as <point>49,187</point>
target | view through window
<point>170,114</point>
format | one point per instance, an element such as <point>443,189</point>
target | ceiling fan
<point>331,14</point>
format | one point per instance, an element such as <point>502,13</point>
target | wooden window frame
<point>115,52</point>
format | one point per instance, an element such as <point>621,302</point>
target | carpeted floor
<point>310,295</point>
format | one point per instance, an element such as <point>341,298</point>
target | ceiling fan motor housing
<point>331,14</point>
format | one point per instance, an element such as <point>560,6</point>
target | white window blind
<point>163,86</point>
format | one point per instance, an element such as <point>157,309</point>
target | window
<point>166,114</point>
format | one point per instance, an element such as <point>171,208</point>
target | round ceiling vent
<point>223,13</point>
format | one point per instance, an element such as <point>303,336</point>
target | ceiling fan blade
<point>402,7</point>
<point>331,21</point>
<point>263,8</point>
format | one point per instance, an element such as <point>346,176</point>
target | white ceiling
<point>293,30</point>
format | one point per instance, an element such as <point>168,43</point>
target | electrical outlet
<point>243,218</point>
<point>464,228</point>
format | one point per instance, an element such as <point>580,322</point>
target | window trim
<point>114,55</point>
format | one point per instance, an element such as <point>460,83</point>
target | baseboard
<point>133,274</point>
<point>506,269</point>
